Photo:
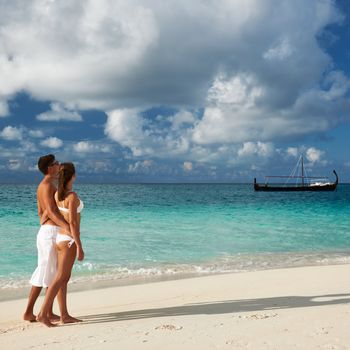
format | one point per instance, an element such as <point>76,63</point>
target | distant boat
<point>307,183</point>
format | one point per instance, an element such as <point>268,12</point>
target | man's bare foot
<point>70,319</point>
<point>45,321</point>
<point>29,317</point>
<point>53,317</point>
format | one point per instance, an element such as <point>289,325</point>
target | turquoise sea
<point>166,230</point>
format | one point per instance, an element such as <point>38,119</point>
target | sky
<point>174,91</point>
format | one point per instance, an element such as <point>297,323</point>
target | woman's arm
<point>74,223</point>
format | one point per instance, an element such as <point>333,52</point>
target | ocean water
<point>146,230</point>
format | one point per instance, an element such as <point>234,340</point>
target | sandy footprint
<point>260,316</point>
<point>169,327</point>
<point>238,344</point>
<point>18,327</point>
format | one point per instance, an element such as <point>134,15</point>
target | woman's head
<point>65,176</point>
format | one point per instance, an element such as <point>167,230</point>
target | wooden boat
<point>307,183</point>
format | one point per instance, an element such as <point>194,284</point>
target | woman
<point>68,244</point>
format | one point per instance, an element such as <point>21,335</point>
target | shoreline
<point>290,308</point>
<point>101,281</point>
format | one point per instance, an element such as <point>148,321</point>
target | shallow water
<point>165,229</point>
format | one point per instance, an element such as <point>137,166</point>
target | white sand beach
<point>297,308</point>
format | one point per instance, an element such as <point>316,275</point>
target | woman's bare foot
<point>70,319</point>
<point>29,317</point>
<point>45,321</point>
<point>53,317</point>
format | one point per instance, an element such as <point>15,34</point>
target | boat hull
<point>298,188</point>
<point>268,188</point>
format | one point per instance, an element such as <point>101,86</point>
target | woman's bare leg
<point>62,297</point>
<point>65,260</point>
<point>52,317</point>
<point>62,300</point>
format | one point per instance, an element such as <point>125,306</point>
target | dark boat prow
<point>304,186</point>
<point>336,176</point>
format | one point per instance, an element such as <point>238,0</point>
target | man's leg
<point>33,296</point>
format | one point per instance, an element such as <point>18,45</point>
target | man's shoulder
<point>46,186</point>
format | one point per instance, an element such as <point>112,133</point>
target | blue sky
<point>177,91</point>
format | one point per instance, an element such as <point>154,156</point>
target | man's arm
<point>42,215</point>
<point>40,211</point>
<point>51,208</point>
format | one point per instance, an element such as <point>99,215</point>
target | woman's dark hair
<point>44,162</point>
<point>65,174</point>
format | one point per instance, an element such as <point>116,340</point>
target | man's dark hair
<point>44,162</point>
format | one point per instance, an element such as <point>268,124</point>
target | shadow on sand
<point>223,307</point>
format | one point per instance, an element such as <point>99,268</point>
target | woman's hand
<point>80,253</point>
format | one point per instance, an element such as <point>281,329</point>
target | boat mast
<point>302,170</point>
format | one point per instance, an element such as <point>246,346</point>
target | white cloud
<point>94,166</point>
<point>126,127</point>
<point>113,54</point>
<point>338,85</point>
<point>256,148</point>
<point>4,110</point>
<point>314,155</point>
<point>33,168</point>
<point>143,137</point>
<point>238,91</point>
<point>279,52</point>
<point>14,164</point>
<point>36,133</point>
<point>181,118</point>
<point>257,78</point>
<point>141,166</point>
<point>90,147</point>
<point>59,112</point>
<point>96,52</point>
<point>187,166</point>
<point>52,142</point>
<point>11,133</point>
<point>239,109</point>
<point>27,147</point>
<point>20,133</point>
<point>83,146</point>
<point>293,151</point>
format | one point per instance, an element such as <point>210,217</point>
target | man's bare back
<point>45,189</point>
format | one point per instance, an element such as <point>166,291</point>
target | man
<point>46,238</point>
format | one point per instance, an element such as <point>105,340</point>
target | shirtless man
<point>46,238</point>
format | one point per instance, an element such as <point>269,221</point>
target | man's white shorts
<point>47,256</point>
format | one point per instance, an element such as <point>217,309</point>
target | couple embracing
<point>58,240</point>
